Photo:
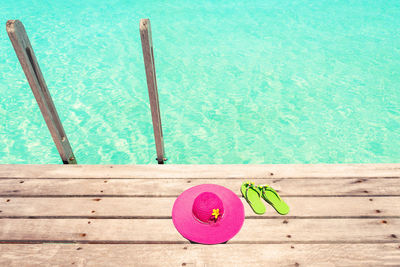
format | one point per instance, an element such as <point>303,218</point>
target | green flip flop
<point>253,196</point>
<point>273,198</point>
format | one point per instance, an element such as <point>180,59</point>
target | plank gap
<point>196,178</point>
<point>173,196</point>
<point>266,242</point>
<point>169,217</point>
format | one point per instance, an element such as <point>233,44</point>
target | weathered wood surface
<point>148,57</point>
<point>121,215</point>
<point>290,171</point>
<point>198,255</point>
<point>173,187</point>
<point>162,230</point>
<point>30,66</point>
<point>137,207</point>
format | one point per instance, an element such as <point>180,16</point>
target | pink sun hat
<point>208,214</point>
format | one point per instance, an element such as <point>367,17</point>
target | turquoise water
<point>288,81</point>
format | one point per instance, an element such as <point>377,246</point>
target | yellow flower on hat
<point>215,213</point>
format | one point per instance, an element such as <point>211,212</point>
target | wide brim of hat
<point>195,231</point>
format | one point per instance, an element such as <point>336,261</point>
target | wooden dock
<point>103,215</point>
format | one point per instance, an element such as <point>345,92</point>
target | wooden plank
<point>199,255</point>
<point>277,171</point>
<point>173,187</point>
<point>27,58</point>
<point>161,207</point>
<point>162,230</point>
<point>148,57</point>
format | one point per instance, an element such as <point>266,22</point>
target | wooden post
<point>26,56</point>
<point>148,57</point>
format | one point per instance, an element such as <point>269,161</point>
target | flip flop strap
<point>265,188</point>
<point>248,186</point>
